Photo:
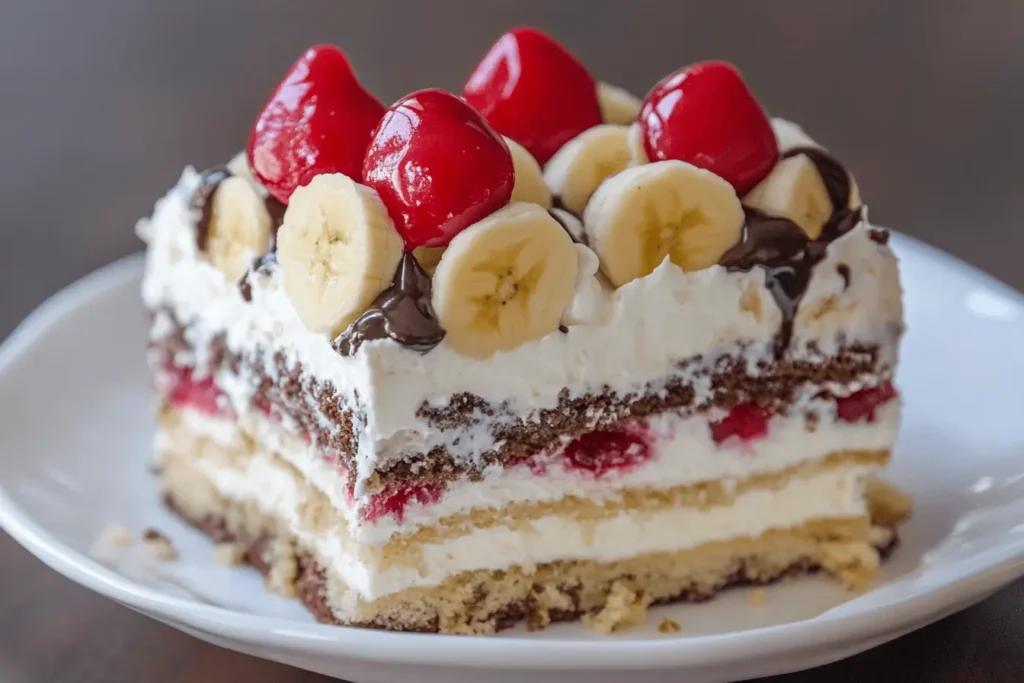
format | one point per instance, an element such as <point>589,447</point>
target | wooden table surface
<point>104,101</point>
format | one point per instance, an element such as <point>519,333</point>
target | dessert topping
<point>618,106</point>
<point>530,88</point>
<point>529,184</point>
<point>576,171</point>
<point>402,312</point>
<point>337,251</point>
<point>317,121</point>
<point>438,167</point>
<point>238,227</point>
<point>705,115</point>
<point>504,281</point>
<point>785,251</point>
<point>671,209</point>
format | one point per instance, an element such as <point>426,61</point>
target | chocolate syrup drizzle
<point>261,264</point>
<point>785,252</point>
<point>202,201</point>
<point>401,312</point>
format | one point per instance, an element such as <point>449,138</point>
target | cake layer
<point>681,453</point>
<point>483,601</point>
<point>636,522</point>
<point>387,404</point>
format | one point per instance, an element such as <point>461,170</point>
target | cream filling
<point>278,493</point>
<point>685,454</point>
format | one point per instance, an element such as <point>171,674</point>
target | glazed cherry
<point>746,421</point>
<point>317,120</point>
<point>394,501</point>
<point>863,404</point>
<point>705,115</point>
<point>534,91</point>
<point>438,166</point>
<point>602,452</point>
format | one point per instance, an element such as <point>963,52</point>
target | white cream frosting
<point>644,328</point>
<point>834,493</point>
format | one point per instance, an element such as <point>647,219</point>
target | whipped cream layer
<point>643,330</point>
<point>836,493</point>
<point>683,453</point>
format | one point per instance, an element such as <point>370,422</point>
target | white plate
<point>75,437</point>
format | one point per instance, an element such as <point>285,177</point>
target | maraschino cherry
<point>438,166</point>
<point>705,115</point>
<point>317,120</point>
<point>533,90</point>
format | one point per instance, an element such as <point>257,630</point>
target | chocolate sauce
<point>556,203</point>
<point>879,236</point>
<point>202,201</point>
<point>785,252</point>
<point>578,239</point>
<point>401,312</point>
<point>844,272</point>
<point>261,264</point>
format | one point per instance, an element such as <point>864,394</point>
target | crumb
<point>543,600</point>
<point>757,597</point>
<point>669,626</point>
<point>228,554</point>
<point>284,568</point>
<point>887,505</point>
<point>853,563</point>
<point>625,608</point>
<point>158,546</point>
<point>116,535</point>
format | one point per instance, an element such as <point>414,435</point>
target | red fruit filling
<point>746,421</point>
<point>863,404</point>
<point>202,395</point>
<point>394,501</point>
<point>602,452</point>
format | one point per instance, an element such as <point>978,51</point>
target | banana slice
<point>637,154</point>
<point>789,135</point>
<point>239,166</point>
<point>428,257</point>
<point>584,162</point>
<point>337,250</point>
<point>504,281</point>
<point>529,186</point>
<point>239,227</point>
<point>668,208</point>
<point>617,105</point>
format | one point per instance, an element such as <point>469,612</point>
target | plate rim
<point>867,626</point>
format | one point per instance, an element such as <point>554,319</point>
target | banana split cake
<point>535,353</point>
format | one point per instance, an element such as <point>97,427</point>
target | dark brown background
<point>105,100</point>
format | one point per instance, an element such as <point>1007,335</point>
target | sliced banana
<point>637,153</point>
<point>529,186</point>
<point>789,135</point>
<point>504,281</point>
<point>239,166</point>
<point>794,190</point>
<point>617,104</point>
<point>239,227</point>
<point>428,257</point>
<point>585,162</point>
<point>668,208</point>
<point>571,224</point>
<point>337,250</point>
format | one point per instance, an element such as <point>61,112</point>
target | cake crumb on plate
<point>624,609</point>
<point>158,546</point>
<point>669,626</point>
<point>757,597</point>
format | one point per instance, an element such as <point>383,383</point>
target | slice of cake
<point>537,353</point>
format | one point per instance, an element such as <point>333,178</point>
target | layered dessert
<point>540,352</point>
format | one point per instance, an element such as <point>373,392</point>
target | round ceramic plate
<point>75,441</point>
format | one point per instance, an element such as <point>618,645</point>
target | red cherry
<point>602,452</point>
<point>862,404</point>
<point>394,501</point>
<point>534,91</point>
<point>705,115</point>
<point>438,167</point>
<point>746,421</point>
<point>317,120</point>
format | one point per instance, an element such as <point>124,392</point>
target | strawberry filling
<point>602,452</point>
<point>393,502</point>
<point>746,422</point>
<point>201,395</point>
<point>862,405</point>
